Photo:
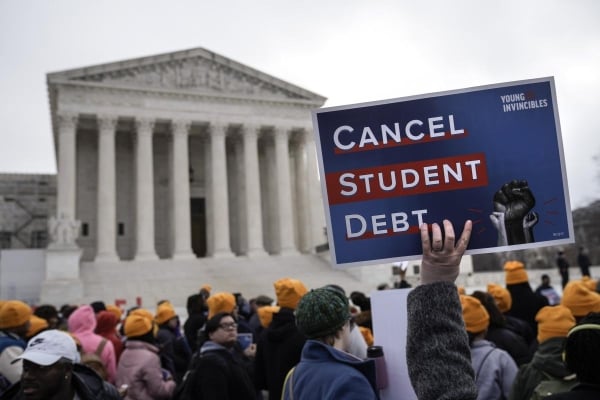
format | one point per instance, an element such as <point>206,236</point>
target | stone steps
<point>176,279</point>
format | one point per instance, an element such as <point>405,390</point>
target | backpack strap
<point>289,377</point>
<point>100,348</point>
<point>483,362</point>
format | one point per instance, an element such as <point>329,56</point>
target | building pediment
<point>196,70</point>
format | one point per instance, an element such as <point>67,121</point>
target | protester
<point>525,303</point>
<point>51,371</point>
<point>195,320</point>
<point>547,364</point>
<point>227,302</point>
<point>546,290</point>
<point>437,346</point>
<point>171,341</point>
<point>139,366</point>
<point>584,262</point>
<point>520,327</point>
<point>582,356</point>
<point>106,326</point>
<point>494,368</point>
<point>82,323</point>
<point>279,347</point>
<point>499,335</point>
<point>221,375</point>
<point>326,370</point>
<point>14,324</point>
<point>563,268</point>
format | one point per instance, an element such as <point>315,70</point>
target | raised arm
<point>437,347</point>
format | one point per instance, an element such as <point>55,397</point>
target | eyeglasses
<point>228,325</point>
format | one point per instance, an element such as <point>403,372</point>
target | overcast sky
<point>348,51</point>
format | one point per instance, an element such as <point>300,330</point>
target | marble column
<point>315,198</point>
<point>67,161</point>
<point>302,192</point>
<point>285,220</point>
<point>107,211</point>
<point>220,202</point>
<point>182,235</point>
<point>254,229</point>
<point>144,191</point>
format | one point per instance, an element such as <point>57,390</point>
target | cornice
<point>186,94</point>
<point>182,56</point>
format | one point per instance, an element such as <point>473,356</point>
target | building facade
<point>184,155</point>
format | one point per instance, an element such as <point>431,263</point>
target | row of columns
<point>145,249</point>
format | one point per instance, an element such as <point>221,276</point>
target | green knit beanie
<point>321,312</point>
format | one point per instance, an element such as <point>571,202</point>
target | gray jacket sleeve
<point>437,346</point>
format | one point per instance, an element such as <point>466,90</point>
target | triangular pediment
<point>196,70</point>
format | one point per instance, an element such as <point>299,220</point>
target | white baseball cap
<point>50,346</point>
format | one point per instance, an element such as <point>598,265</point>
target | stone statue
<point>63,231</point>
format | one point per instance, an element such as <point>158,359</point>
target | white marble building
<point>185,155</point>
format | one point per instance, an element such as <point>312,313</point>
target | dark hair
<point>98,306</point>
<point>487,300</point>
<point>211,325</point>
<point>46,311</point>
<point>361,300</point>
<point>582,351</point>
<point>195,304</point>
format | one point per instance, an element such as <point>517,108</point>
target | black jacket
<point>510,342</point>
<point>88,386</point>
<point>221,376</point>
<point>277,351</point>
<point>525,303</point>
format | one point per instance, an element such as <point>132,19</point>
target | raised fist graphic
<point>512,216</point>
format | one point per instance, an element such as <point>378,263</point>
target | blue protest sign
<point>492,154</point>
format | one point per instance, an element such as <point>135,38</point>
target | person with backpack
<point>139,366</point>
<point>82,323</point>
<point>495,370</point>
<point>217,372</point>
<point>546,373</point>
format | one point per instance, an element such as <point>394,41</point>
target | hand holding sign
<point>441,258</point>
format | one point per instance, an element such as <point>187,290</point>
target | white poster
<point>389,313</point>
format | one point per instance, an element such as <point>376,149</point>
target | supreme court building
<point>185,155</point>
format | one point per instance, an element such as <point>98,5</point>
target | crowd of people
<point>507,342</point>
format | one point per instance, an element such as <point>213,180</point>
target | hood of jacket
<point>283,326</point>
<point>317,351</point>
<point>106,323</point>
<point>82,320</point>
<point>548,358</point>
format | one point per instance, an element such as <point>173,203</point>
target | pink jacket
<point>139,367</point>
<point>82,323</point>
